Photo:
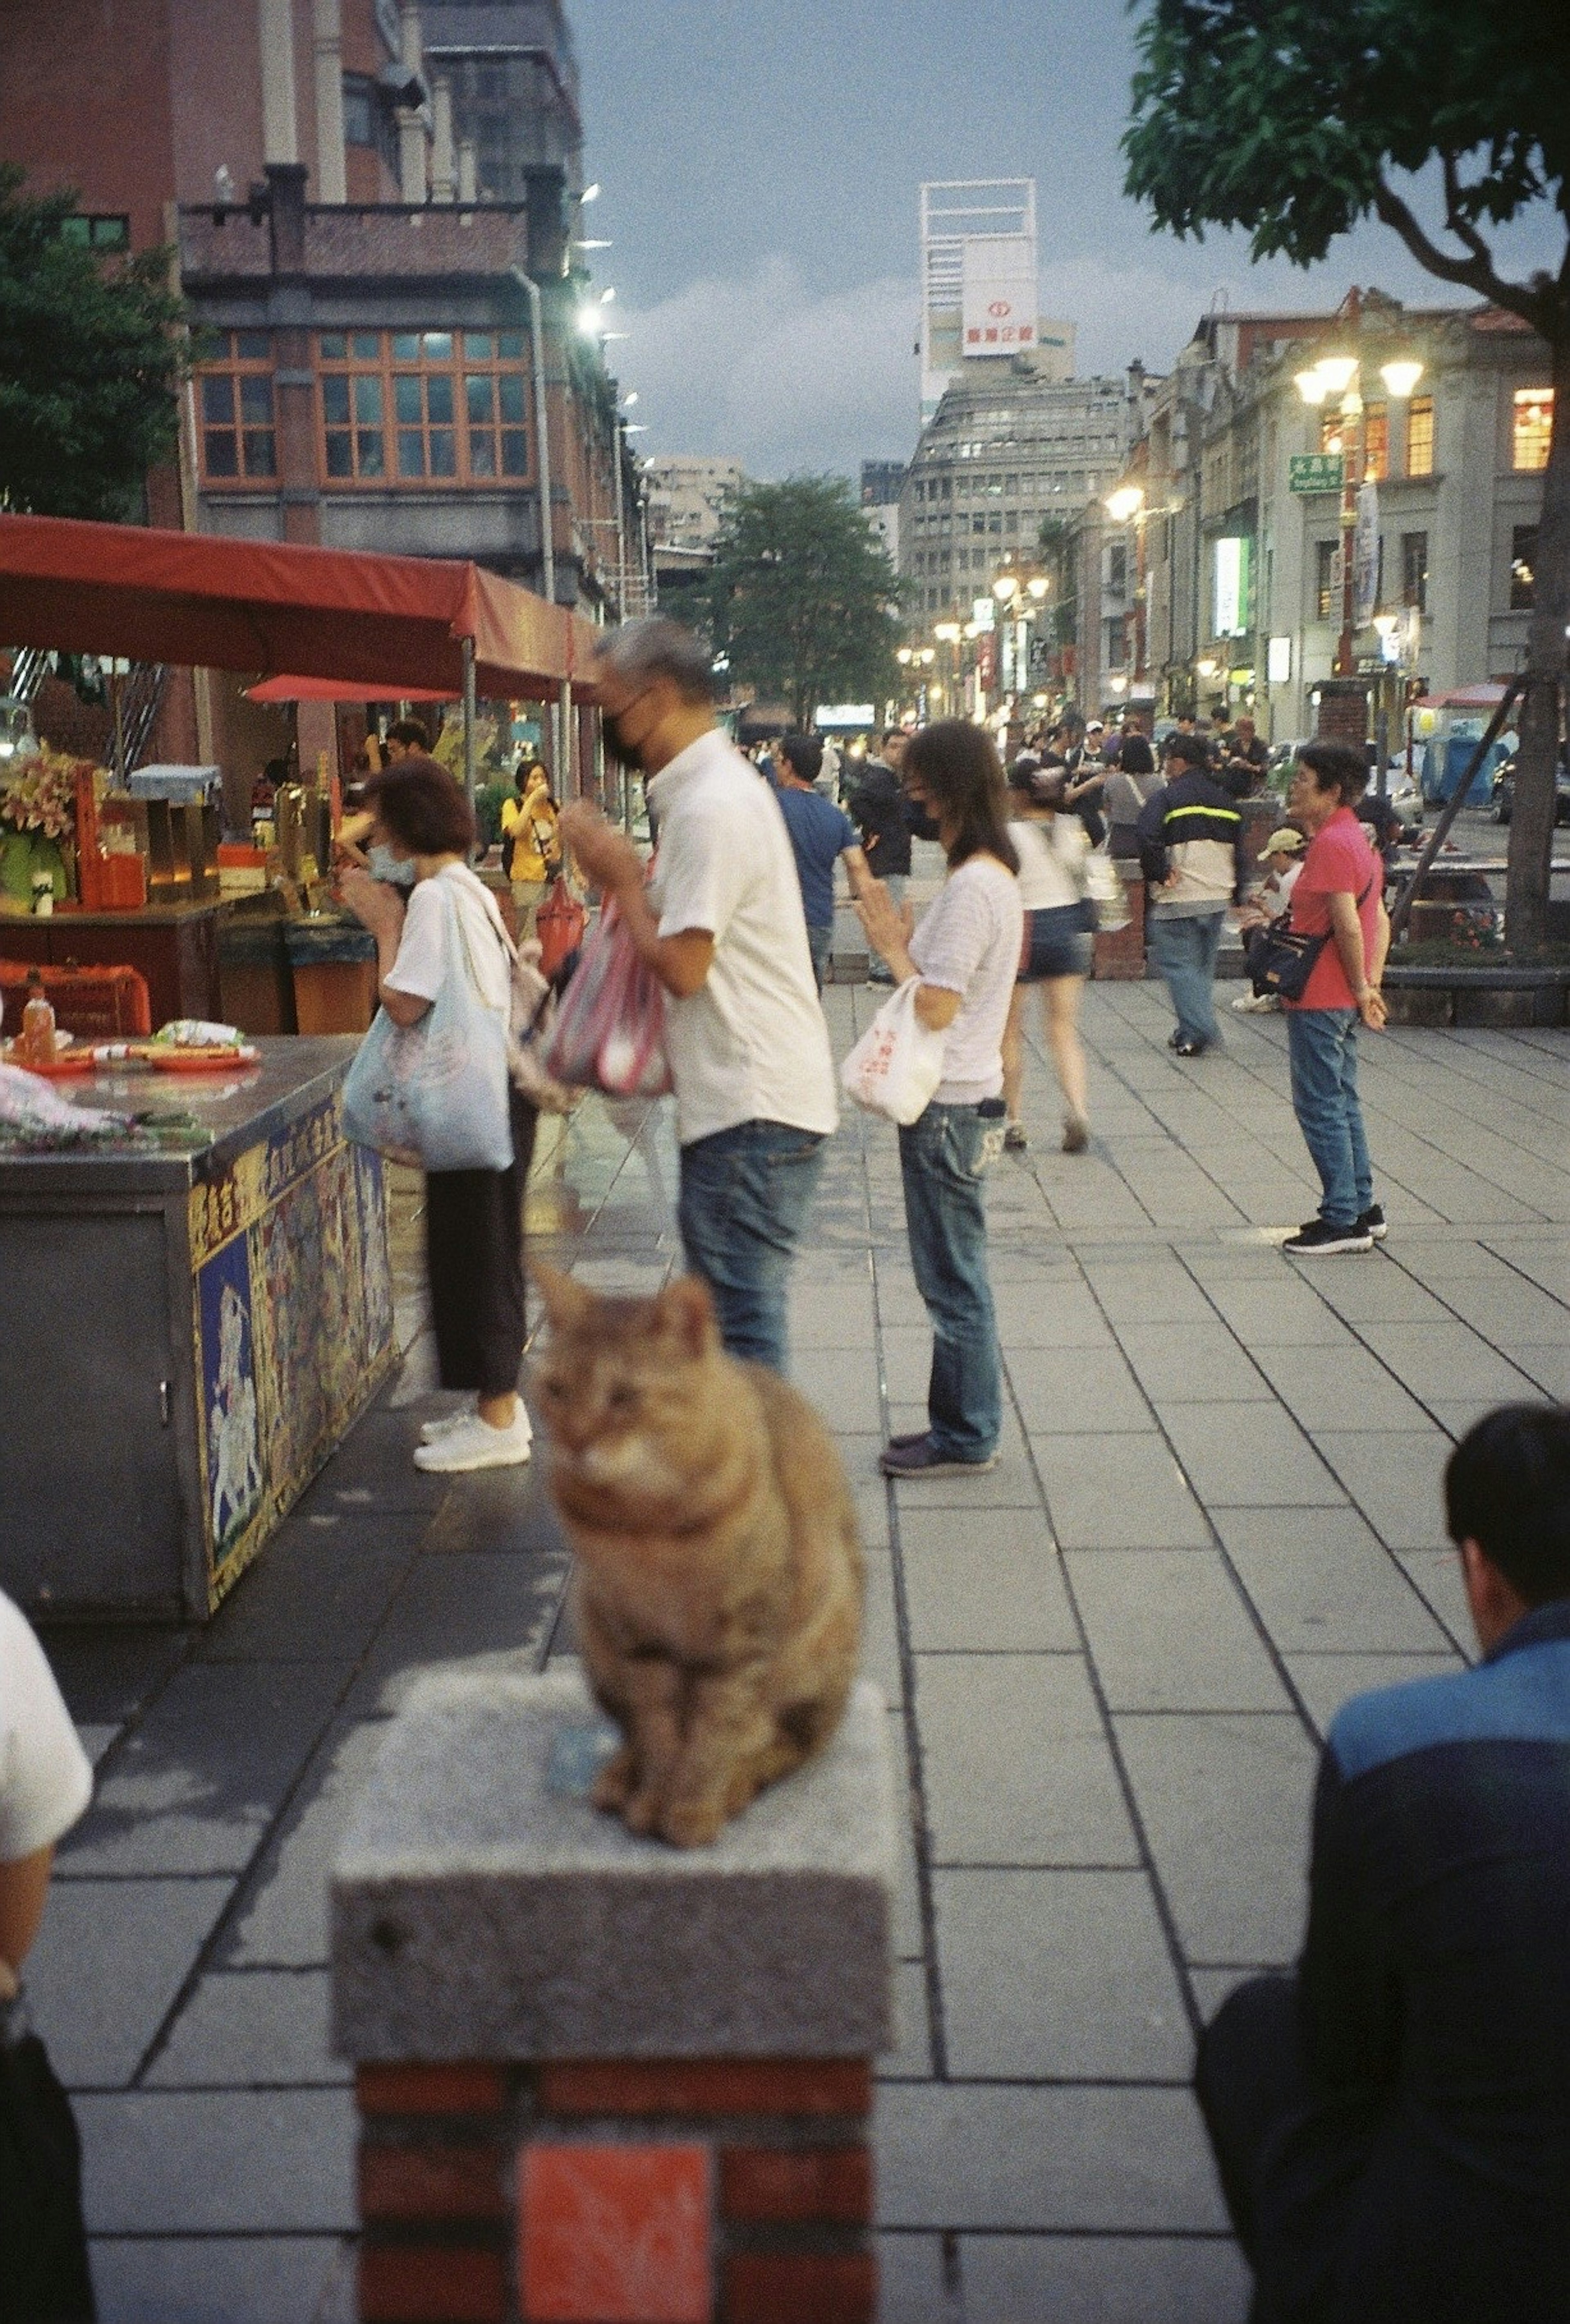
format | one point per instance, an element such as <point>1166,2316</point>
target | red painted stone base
<point>1120,953</point>
<point>697,2191</point>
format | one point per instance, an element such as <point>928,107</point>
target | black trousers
<point>474,1258</point>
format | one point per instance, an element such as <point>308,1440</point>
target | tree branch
<point>1455,216</point>
<point>1475,273</point>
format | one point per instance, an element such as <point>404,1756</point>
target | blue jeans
<point>819,944</point>
<point>1184,949</point>
<point>1322,1044</point>
<point>744,1201</point>
<point>943,1162</point>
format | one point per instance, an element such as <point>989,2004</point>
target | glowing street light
<point>1400,378</point>
<point>1124,505</point>
<point>1005,588</point>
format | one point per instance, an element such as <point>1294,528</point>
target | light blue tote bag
<point>434,1094</point>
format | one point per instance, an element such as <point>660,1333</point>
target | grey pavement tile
<point>1249,1455</point>
<point>108,1675</point>
<point>1155,1290</point>
<point>1279,1313</point>
<point>1077,1391</point>
<point>195,1787</point>
<point>1443,1362</point>
<point>1190,1363</point>
<point>871,1496</point>
<point>215,2278</point>
<point>911,2281</point>
<point>906,1354</point>
<point>910,2058</point>
<point>843,1383</point>
<point>280,1919</point>
<point>498,1511</point>
<point>1339,1389</point>
<point>909,1937</point>
<point>374,1469</point>
<point>1436,1574</point>
<point>1103,2280</point>
<point>1064,1975</point>
<point>880,1630</point>
<point>1397,1478</point>
<point>1168,1631</point>
<point>1510,1312</point>
<point>96,1741</point>
<point>982,1600</point>
<point>200,2161</point>
<point>1224,1802</point>
<point>108,1963</point>
<point>956,2155</point>
<point>1119,1492</point>
<point>306,1599</point>
<point>1022,1530</point>
<point>1051,1315</point>
<point>1373,1291</point>
<point>1212,1986</point>
<point>1017,1768</point>
<point>1326,1681</point>
<point>254,2029</point>
<point>1323,1585</point>
<point>459,1609</point>
<point>1548,1369</point>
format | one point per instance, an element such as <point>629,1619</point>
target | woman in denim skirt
<point>1059,948</point>
<point>966,954</point>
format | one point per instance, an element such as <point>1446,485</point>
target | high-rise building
<point>979,284</point>
<point>1009,447</point>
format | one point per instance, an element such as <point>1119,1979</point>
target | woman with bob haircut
<point>1051,842</point>
<point>473,1218</point>
<point>965,955</point>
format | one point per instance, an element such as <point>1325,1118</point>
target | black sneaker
<point>1015,1139</point>
<point>1319,1240</point>
<point>1174,1036</point>
<point>922,1459</point>
<point>1184,1047</point>
<point>1373,1222</point>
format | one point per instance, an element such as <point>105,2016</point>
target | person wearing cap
<point>1282,857</point>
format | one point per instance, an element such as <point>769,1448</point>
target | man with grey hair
<point>719,921</point>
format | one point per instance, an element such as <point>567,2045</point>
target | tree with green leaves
<point>1446,119</point>
<point>90,357</point>
<point>802,599</point>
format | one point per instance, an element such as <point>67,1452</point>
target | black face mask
<point>618,750</point>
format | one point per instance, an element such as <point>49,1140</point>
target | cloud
<point>766,370</point>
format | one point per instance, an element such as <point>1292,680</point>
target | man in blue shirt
<point>1392,2123</point>
<point>820,833</point>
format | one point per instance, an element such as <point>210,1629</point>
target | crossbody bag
<point>1280,958</point>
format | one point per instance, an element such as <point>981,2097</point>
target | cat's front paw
<point>616,1782</point>
<point>692,1823</point>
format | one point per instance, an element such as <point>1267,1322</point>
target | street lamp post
<point>1341,376</point>
<point>1127,506</point>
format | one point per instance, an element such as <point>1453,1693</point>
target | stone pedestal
<point>1120,953</point>
<point>602,2080</point>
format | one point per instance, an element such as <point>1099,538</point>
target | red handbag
<point>559,925</point>
<point>610,1027</point>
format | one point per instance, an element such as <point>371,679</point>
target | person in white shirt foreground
<point>965,952</point>
<point>719,920</point>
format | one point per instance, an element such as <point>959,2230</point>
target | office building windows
<point>1523,562</point>
<point>1415,571</point>
<point>1532,428</point>
<point>239,444</point>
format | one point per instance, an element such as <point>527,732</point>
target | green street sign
<point>1314,472</point>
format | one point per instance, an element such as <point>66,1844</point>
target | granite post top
<point>483,1908</point>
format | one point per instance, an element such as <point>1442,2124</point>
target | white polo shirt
<point>45,1780</point>
<point>751,1045</point>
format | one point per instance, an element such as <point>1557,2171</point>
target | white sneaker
<point>478,1445</point>
<point>431,1432</point>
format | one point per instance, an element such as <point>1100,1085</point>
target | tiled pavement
<point>1216,1515</point>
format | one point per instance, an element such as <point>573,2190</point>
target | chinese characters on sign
<point>1314,472</point>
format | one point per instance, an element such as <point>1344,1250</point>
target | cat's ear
<point>566,1303</point>
<point>687,1311</point>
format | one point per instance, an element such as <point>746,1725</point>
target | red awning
<point>338,689</point>
<point>392,626</point>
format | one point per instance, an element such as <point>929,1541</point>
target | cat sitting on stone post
<point>718,1581</point>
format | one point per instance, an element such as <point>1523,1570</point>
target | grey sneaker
<point>922,1459</point>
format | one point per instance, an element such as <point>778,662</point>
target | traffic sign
<point>1314,472</point>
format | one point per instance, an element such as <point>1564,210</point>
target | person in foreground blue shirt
<point>820,833</point>
<point>1392,2123</point>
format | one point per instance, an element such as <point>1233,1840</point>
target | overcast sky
<point>760,167</point>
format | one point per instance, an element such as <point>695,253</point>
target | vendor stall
<point>188,1328</point>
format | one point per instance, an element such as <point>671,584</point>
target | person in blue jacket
<point>821,834</point>
<point>1392,2123</point>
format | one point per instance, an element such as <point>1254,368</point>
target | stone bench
<point>600,2078</point>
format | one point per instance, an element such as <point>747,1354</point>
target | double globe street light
<point>1340,378</point>
<point>1026,593</point>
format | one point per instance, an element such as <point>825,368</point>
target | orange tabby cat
<point>719,1585</point>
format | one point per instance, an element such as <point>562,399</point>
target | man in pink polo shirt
<point>1339,897</point>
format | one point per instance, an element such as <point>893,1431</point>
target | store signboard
<point>1314,472</point>
<point>1365,561</point>
<point>982,612</point>
<point>1231,586</point>
<point>1000,295</point>
<point>1278,661</point>
<point>844,717</point>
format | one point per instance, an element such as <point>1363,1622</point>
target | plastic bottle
<point>38,1042</point>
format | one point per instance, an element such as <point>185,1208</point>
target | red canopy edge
<point>393,624</point>
<point>337,690</point>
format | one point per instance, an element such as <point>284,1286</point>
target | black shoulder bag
<point>43,2245</point>
<point>1280,958</point>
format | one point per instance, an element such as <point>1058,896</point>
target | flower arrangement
<point>37,795</point>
